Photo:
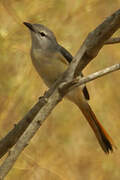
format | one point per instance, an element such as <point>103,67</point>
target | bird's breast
<point>50,67</point>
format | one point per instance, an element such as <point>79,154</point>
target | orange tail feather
<point>104,139</point>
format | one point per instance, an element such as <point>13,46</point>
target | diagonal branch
<point>45,111</point>
<point>89,50</point>
<point>94,42</point>
<point>11,138</point>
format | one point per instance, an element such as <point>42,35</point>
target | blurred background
<point>65,147</point>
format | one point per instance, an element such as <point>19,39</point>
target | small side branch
<point>112,41</point>
<point>78,81</point>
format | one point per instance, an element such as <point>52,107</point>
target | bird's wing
<point>69,57</point>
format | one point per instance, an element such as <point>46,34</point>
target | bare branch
<point>11,138</point>
<point>66,87</point>
<point>29,133</point>
<point>89,50</point>
<point>94,42</point>
<point>112,41</point>
<point>45,110</point>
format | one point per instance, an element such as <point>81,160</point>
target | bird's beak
<point>30,26</point>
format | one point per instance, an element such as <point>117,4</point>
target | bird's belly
<point>49,70</point>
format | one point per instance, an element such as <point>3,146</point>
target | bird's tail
<point>104,139</point>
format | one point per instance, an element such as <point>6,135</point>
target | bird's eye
<point>42,33</point>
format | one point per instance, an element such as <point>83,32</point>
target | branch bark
<point>89,50</point>
<point>11,138</point>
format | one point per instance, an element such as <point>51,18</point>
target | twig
<point>112,41</point>
<point>68,86</point>
<point>87,52</point>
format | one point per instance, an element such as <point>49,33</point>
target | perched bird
<point>50,60</point>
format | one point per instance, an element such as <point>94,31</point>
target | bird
<point>50,60</point>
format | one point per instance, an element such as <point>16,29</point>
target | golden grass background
<point>65,147</point>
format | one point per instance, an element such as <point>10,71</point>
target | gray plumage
<point>47,48</point>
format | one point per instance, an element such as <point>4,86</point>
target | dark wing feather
<point>69,58</point>
<point>65,53</point>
